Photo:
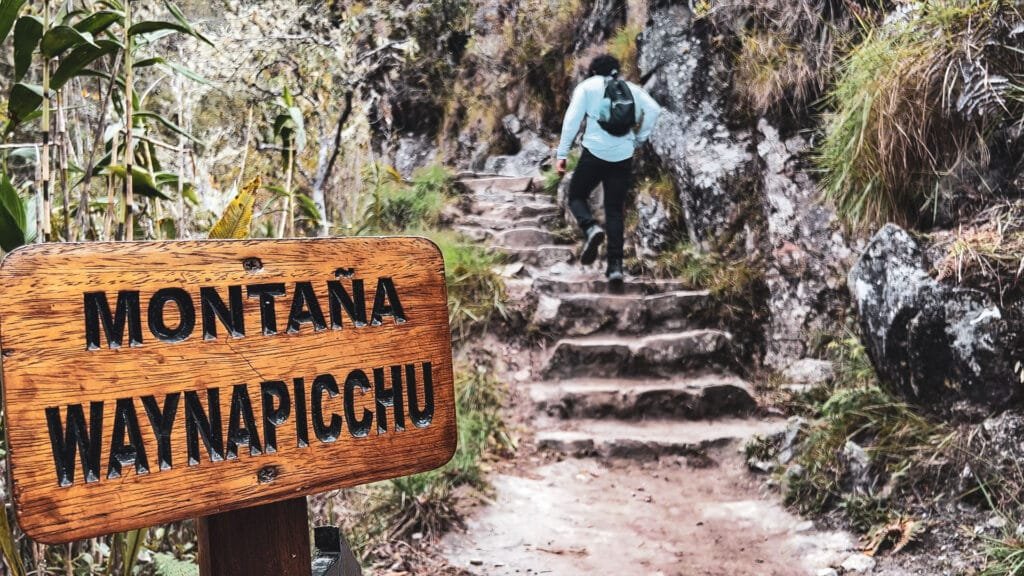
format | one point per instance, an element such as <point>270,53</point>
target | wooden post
<point>267,539</point>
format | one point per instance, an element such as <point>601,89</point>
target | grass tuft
<point>623,46</point>
<point>476,293</point>
<point>911,100</point>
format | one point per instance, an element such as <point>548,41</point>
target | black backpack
<point>622,115</point>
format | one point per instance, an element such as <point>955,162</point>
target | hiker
<point>620,116</point>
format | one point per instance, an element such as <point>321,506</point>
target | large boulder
<point>947,349</point>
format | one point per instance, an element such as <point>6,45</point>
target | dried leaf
<point>234,223</point>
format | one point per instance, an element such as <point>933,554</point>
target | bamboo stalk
<point>129,155</point>
<point>62,158</point>
<point>108,218</point>
<point>44,161</point>
<point>179,227</point>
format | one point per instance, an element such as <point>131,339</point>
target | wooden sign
<point>150,382</point>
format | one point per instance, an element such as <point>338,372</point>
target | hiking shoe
<point>595,237</point>
<point>614,273</point>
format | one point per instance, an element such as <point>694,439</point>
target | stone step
<point>505,197</point>
<point>589,283</point>
<point>583,314</point>
<point>525,237</point>
<point>497,183</point>
<point>660,355</point>
<point>474,233</point>
<point>515,211</point>
<point>507,224</point>
<point>653,438</point>
<point>542,256</point>
<point>711,396</point>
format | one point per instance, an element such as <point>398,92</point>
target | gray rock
<point>703,156</point>
<point>809,255</point>
<point>947,349</point>
<point>414,152</point>
<point>534,153</point>
<point>858,466</point>
<point>859,563</point>
<point>809,372</point>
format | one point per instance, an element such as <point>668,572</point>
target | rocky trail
<point>634,419</point>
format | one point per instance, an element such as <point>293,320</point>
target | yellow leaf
<point>234,222</point>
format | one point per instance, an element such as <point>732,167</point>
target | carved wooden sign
<point>150,382</point>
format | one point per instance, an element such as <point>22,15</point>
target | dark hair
<point>604,65</point>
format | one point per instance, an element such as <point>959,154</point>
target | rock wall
<point>730,168</point>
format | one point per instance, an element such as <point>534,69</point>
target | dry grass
<point>910,101</point>
<point>623,46</point>
<point>785,49</point>
<point>769,68</point>
<point>988,254</point>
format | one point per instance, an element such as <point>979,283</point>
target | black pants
<point>616,177</point>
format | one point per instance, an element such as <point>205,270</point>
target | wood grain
<point>46,364</point>
<point>268,539</point>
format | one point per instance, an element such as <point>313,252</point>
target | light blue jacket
<point>588,102</point>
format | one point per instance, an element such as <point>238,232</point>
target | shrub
<point>397,206</point>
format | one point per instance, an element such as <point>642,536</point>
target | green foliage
<point>168,565</point>
<point>397,206</point>
<point>623,46</point>
<point>552,178</point>
<point>896,438</point>
<point>853,367</point>
<point>475,291</point>
<point>726,279</point>
<point>15,229</point>
<point>911,100</point>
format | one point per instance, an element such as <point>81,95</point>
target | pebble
<point>859,563</point>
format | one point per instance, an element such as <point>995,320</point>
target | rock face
<point>729,176</point>
<point>693,138</point>
<point>949,350</point>
<point>809,255</point>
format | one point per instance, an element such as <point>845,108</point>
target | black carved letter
<point>97,309</point>
<point>324,432</point>
<point>358,428</point>
<point>186,314</point>
<point>63,443</point>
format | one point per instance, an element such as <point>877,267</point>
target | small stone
<point>997,522</point>
<point>476,562</point>
<point>859,563</point>
<point>804,526</point>
<point>827,572</point>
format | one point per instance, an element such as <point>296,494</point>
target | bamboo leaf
<point>97,22</point>
<point>132,544</point>
<point>308,207</point>
<point>60,38</point>
<point>167,124</point>
<point>237,217</point>
<point>176,12</point>
<point>149,26</point>
<point>142,182</point>
<point>80,57</point>
<point>300,127</point>
<point>12,216</point>
<point>8,14</point>
<point>27,33</point>
<point>25,99</point>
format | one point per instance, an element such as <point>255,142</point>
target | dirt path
<point>637,416</point>
<point>583,516</point>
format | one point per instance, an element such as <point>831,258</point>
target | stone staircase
<point>640,373</point>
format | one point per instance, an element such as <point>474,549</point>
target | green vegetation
<point>623,46</point>
<point>552,179</point>
<point>911,101</point>
<point>727,279</point>
<point>476,293</point>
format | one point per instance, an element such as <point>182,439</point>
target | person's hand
<point>560,166</point>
